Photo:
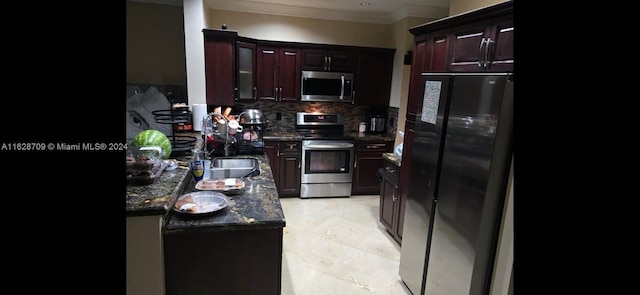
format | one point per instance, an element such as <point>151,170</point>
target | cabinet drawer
<point>290,147</point>
<point>374,146</point>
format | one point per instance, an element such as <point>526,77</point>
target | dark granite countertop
<point>373,137</point>
<point>294,136</point>
<point>281,136</point>
<point>257,207</point>
<point>157,198</point>
<point>393,158</point>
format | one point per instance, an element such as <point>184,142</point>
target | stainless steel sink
<point>234,167</point>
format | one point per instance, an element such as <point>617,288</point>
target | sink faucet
<point>226,133</point>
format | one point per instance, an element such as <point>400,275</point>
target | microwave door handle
<point>342,88</point>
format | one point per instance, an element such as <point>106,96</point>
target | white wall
<point>195,18</point>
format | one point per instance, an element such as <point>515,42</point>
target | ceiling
<point>379,11</point>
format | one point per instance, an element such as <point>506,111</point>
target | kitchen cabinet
<point>429,55</point>
<point>391,211</point>
<point>279,73</point>
<point>237,250</point>
<point>246,89</point>
<point>332,60</point>
<point>367,160</point>
<point>219,66</point>
<point>144,266</point>
<point>373,74</point>
<point>285,160</point>
<point>477,41</point>
<point>482,46</point>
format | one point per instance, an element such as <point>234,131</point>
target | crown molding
<point>434,9</point>
<point>439,10</point>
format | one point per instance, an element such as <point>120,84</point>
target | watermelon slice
<point>152,137</point>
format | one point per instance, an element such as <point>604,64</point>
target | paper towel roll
<point>199,110</point>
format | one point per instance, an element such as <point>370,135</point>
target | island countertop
<point>257,207</point>
<point>157,198</point>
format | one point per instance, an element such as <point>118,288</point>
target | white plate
<point>197,203</point>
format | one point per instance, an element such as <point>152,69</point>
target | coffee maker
<point>376,120</point>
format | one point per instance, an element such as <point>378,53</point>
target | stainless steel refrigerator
<point>462,151</point>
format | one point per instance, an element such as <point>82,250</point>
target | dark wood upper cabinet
<point>220,67</point>
<point>482,46</point>
<point>246,87</point>
<point>477,41</point>
<point>279,73</point>
<point>330,60</point>
<point>244,69</point>
<point>500,53</point>
<point>374,71</point>
<point>429,55</point>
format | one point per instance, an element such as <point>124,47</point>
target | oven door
<point>327,161</point>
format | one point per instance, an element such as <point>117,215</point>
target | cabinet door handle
<point>376,146</point>
<point>481,52</point>
<point>353,97</point>
<point>268,51</point>
<point>255,93</point>
<point>355,162</point>
<point>325,63</point>
<point>395,198</point>
<point>329,64</point>
<point>487,49</point>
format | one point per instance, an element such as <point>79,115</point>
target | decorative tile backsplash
<point>352,114</point>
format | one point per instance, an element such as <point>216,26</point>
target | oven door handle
<point>327,146</point>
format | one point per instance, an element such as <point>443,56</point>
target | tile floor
<point>338,246</point>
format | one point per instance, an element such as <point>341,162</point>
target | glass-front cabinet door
<point>246,90</point>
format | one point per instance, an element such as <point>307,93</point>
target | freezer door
<point>471,187</point>
<point>426,145</point>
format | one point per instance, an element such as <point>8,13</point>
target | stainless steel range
<point>327,155</point>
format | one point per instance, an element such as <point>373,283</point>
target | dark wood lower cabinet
<point>367,160</point>
<point>391,201</point>
<point>247,262</point>
<point>285,161</point>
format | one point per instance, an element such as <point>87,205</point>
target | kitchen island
<point>237,250</point>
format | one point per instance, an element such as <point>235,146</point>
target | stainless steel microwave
<point>327,86</point>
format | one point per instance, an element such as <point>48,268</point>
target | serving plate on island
<point>198,203</point>
<point>227,186</point>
